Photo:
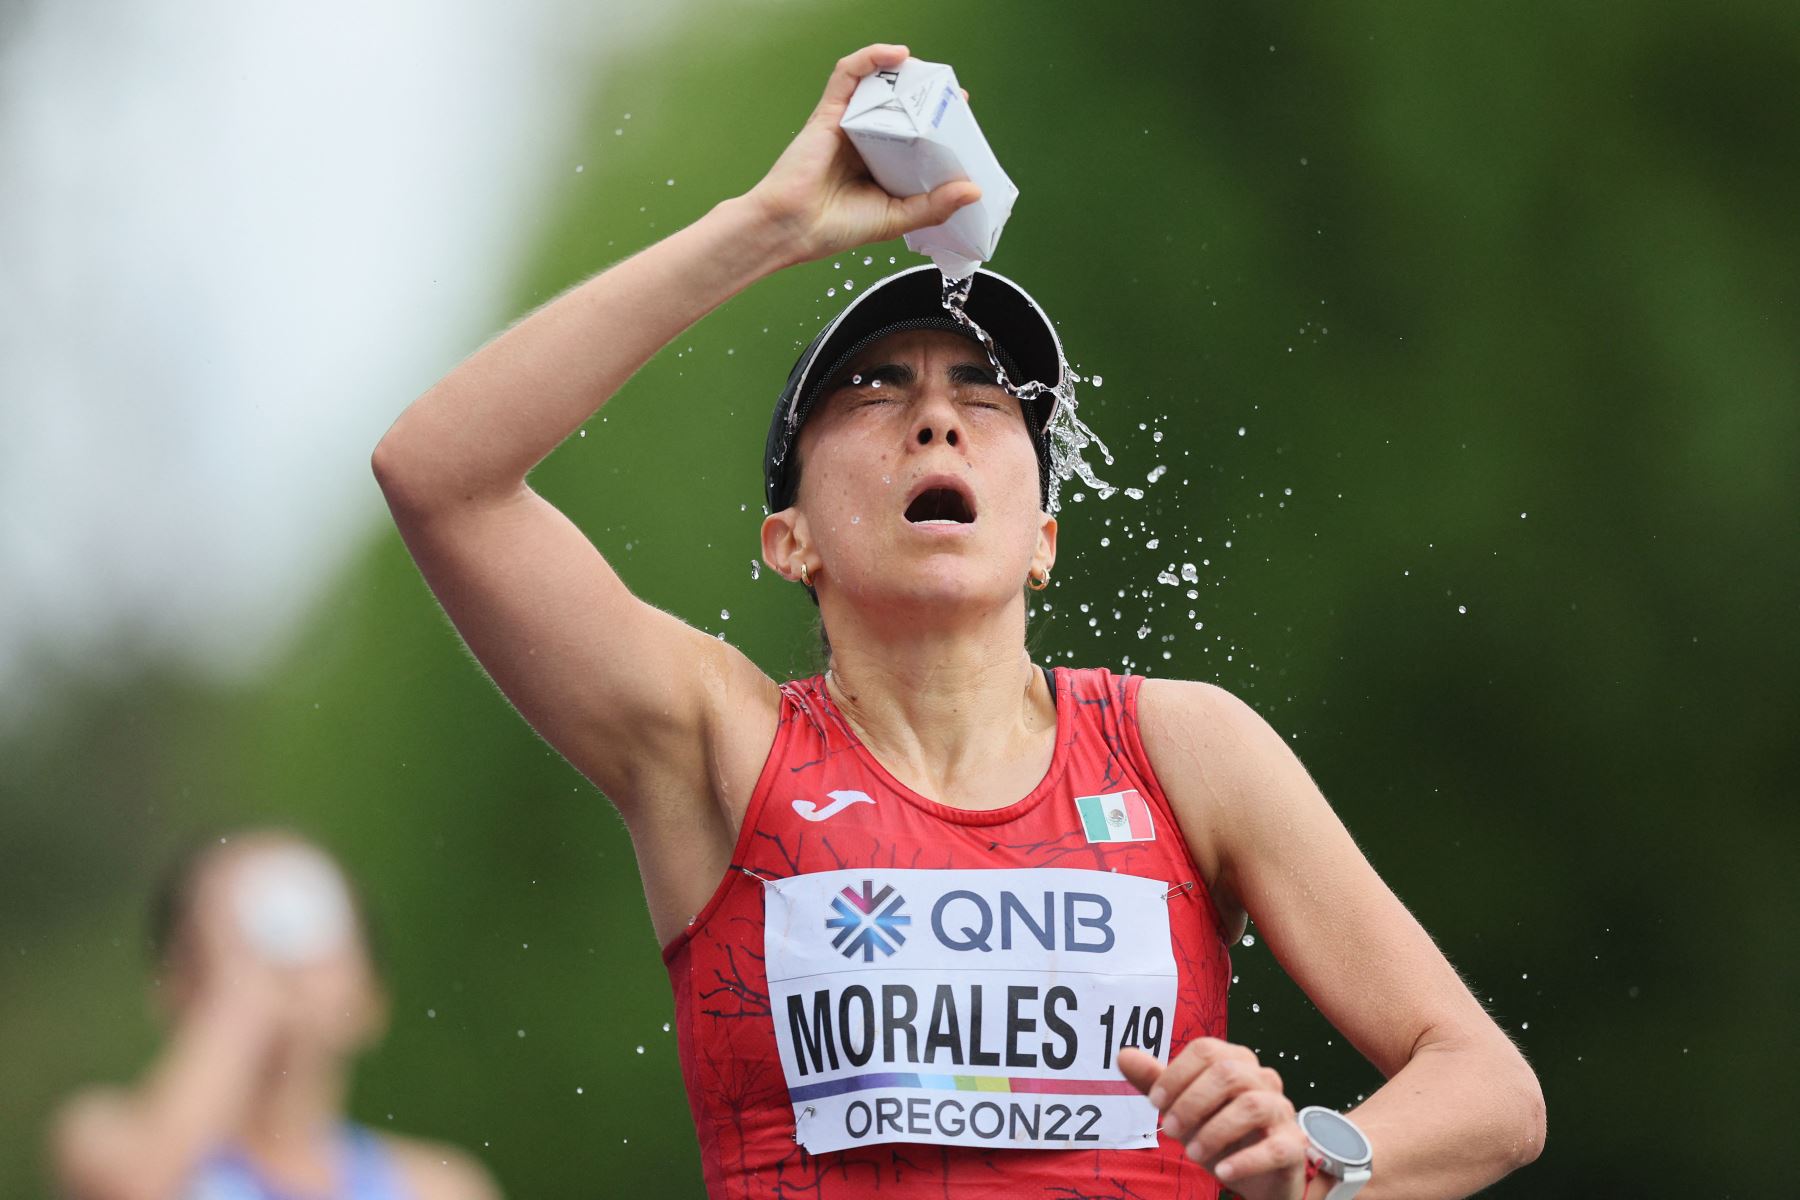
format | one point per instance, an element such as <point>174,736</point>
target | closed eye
<point>865,379</point>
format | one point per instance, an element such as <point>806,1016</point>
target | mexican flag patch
<point>1116,817</point>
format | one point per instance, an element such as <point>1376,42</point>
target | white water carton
<point>915,131</point>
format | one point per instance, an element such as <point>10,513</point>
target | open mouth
<point>941,506</point>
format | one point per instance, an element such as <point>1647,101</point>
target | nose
<point>936,420</point>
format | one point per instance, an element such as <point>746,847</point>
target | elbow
<point>388,462</point>
<point>1527,1112</point>
<point>404,480</point>
<point>1537,1125</point>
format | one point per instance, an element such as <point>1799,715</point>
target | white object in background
<point>293,906</point>
<point>915,131</point>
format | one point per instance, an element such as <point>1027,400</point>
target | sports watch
<point>1336,1148</point>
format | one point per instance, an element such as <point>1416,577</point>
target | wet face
<point>271,919</point>
<point>920,482</point>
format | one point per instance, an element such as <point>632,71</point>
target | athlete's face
<point>919,481</point>
<point>270,923</point>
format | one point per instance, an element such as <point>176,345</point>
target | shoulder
<point>438,1171</point>
<point>1191,727</point>
<point>1231,779</point>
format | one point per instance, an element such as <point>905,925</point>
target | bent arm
<point>611,682</point>
<point>145,1143</point>
<point>1460,1108</point>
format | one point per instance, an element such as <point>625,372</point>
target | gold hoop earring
<point>805,579</point>
<point>1038,583</point>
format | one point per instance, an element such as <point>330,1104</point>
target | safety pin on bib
<point>1178,889</point>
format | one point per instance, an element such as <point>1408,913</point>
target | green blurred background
<point>1468,337</point>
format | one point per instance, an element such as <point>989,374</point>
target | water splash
<point>1067,435</point>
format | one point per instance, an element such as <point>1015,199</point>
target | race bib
<point>968,1008</point>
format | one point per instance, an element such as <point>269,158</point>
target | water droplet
<point>848,284</point>
<point>578,1091</point>
<point>1240,431</point>
<point>583,433</point>
<point>831,291</point>
<point>1462,608</point>
<point>755,569</point>
<point>1153,543</point>
<point>640,1049</point>
<point>521,1033</point>
<point>432,1013</point>
<point>1249,939</point>
<point>1190,573</point>
<point>867,259</point>
<point>1256,1008</point>
<point>1156,473</point>
<point>1098,381</point>
<point>1134,493</point>
<point>668,183</point>
<point>580,167</point>
<point>724,614</point>
<point>1143,632</point>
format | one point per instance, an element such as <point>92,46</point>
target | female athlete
<point>939,923</point>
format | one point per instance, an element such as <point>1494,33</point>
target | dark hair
<point>172,898</point>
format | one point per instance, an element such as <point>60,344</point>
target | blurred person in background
<point>267,982</point>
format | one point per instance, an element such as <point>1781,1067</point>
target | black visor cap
<point>913,298</point>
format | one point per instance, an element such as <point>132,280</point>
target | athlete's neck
<point>968,721</point>
<point>290,1130</point>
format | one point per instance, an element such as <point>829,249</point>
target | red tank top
<point>916,991</point>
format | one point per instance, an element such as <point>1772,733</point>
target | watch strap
<point>1347,1186</point>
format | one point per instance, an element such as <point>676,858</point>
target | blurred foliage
<point>1470,336</point>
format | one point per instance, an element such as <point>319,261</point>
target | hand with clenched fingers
<point>1230,1112</point>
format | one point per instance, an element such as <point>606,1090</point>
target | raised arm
<point>1460,1108</point>
<point>144,1142</point>
<point>631,696</point>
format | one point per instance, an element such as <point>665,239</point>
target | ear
<point>783,539</point>
<point>1044,557</point>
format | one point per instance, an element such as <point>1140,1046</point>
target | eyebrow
<point>901,374</point>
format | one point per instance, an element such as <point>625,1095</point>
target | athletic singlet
<point>891,996</point>
<point>368,1173</point>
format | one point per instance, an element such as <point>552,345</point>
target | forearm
<point>485,425</point>
<point>1461,1114</point>
<point>146,1144</point>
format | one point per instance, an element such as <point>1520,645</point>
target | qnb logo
<point>868,921</point>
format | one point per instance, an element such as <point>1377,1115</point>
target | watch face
<point>1335,1135</point>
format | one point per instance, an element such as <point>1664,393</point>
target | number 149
<point>1143,1028</point>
